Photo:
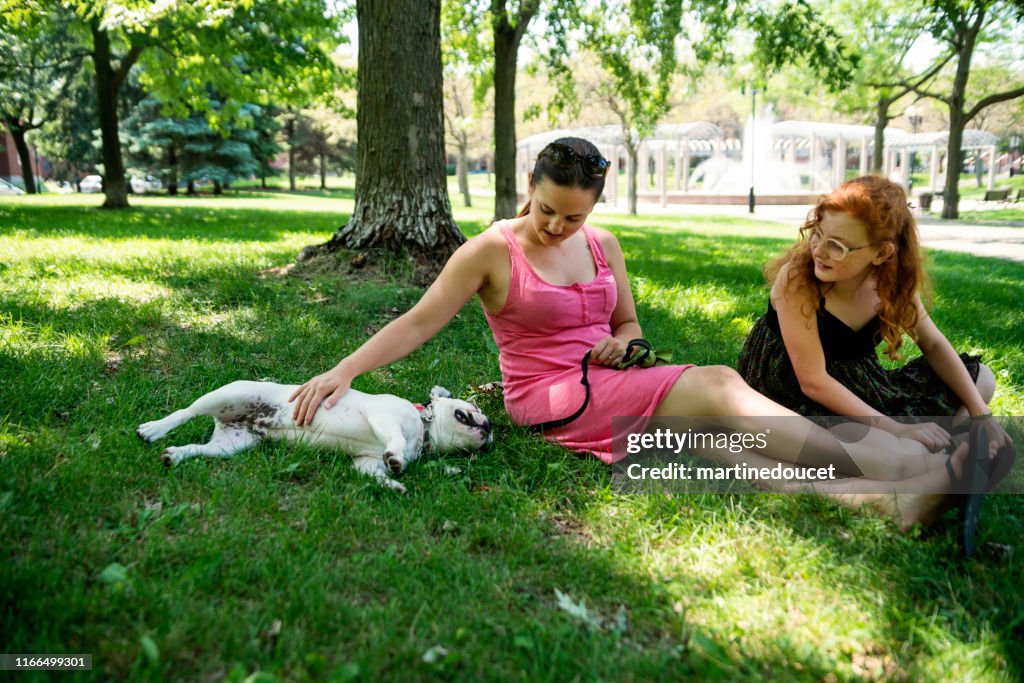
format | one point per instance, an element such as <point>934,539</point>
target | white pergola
<point>936,146</point>
<point>818,138</point>
<point>682,140</point>
<point>825,145</point>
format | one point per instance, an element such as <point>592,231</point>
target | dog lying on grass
<point>383,433</point>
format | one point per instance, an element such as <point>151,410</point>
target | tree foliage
<point>39,75</point>
<point>641,46</point>
<point>249,52</point>
<point>962,27</point>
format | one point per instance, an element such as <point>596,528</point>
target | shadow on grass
<point>254,191</point>
<point>170,223</point>
<point>363,580</point>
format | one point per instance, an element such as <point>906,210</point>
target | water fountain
<point>760,164</point>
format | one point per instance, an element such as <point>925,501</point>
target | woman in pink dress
<point>554,288</point>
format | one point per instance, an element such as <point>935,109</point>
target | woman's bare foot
<point>918,500</point>
<point>908,509</point>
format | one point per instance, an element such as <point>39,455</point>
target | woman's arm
<point>625,327</point>
<point>465,273</point>
<point>946,363</point>
<point>799,325</point>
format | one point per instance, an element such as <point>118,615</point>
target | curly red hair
<point>882,206</point>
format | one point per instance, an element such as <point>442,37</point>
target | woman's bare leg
<point>920,500</point>
<point>720,391</point>
<point>986,384</point>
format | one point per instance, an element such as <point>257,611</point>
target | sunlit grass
<point>108,319</point>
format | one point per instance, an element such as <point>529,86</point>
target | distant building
<point>10,163</point>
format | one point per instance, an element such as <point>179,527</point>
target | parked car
<point>141,185</point>
<point>91,183</point>
<point>8,188</point>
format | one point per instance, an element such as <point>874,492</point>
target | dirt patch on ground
<point>361,265</point>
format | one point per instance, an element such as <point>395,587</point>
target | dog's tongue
<point>419,406</point>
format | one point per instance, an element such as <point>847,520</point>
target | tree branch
<point>48,65</point>
<point>127,62</point>
<point>527,10</point>
<point>994,99</point>
<point>925,77</point>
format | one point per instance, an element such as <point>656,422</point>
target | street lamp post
<point>913,117</point>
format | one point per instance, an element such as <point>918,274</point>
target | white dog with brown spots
<point>382,432</point>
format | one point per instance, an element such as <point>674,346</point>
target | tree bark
<point>290,128</point>
<point>507,37</point>
<point>958,118</point>
<point>323,171</point>
<point>115,189</point>
<point>631,151</point>
<point>505,197</point>
<point>20,144</point>
<point>463,172</point>
<point>401,188</point>
<point>172,165</point>
<point>881,121</point>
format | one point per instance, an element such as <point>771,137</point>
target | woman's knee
<point>986,382</point>
<point>723,385</point>
<point>700,391</point>
<point>726,378</point>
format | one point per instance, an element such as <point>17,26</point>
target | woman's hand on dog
<point>326,388</point>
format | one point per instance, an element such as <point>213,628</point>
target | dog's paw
<point>169,457</point>
<point>394,462</point>
<point>150,431</point>
<point>393,485</point>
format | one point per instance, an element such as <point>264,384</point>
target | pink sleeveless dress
<point>542,333</point>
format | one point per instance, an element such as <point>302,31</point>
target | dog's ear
<point>440,392</point>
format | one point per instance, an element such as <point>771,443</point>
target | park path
<point>994,241</point>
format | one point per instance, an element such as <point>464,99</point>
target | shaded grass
<point>108,319</point>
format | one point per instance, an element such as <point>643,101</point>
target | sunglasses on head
<point>564,156</point>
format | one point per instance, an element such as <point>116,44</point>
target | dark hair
<point>574,176</point>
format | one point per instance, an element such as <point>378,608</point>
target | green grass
<point>109,319</point>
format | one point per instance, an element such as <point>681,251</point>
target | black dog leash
<point>646,358</point>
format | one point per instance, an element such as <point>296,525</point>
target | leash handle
<point>628,360</point>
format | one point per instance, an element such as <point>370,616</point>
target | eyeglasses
<point>564,156</point>
<point>835,249</point>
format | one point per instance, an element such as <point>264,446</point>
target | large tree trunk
<point>505,198</point>
<point>401,189</point>
<point>115,188</point>
<point>507,36</point>
<point>18,133</point>
<point>958,119</point>
<point>881,121</point>
<point>954,163</point>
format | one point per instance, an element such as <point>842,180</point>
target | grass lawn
<point>522,564</point>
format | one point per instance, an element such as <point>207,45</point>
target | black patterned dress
<point>851,359</point>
